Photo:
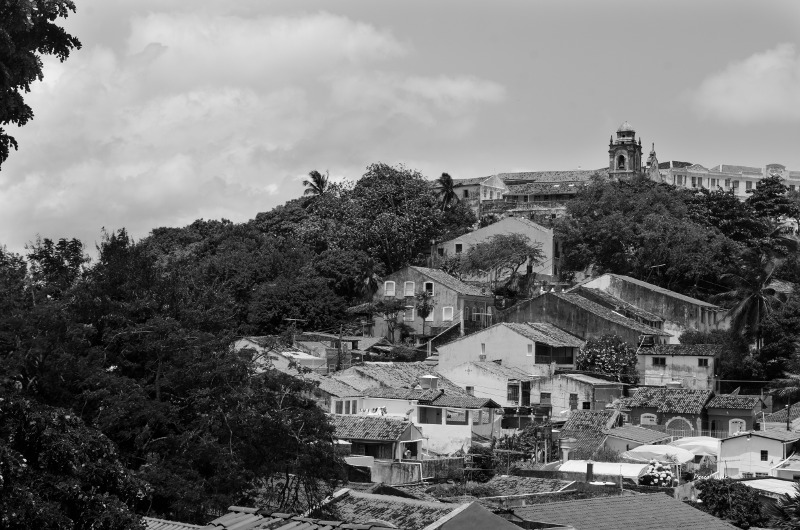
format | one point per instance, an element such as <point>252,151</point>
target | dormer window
<point>388,288</point>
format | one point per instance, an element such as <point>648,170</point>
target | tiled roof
<point>449,281</point>
<point>607,313</point>
<point>251,519</point>
<point>667,292</point>
<point>653,512</point>
<point>507,372</point>
<point>469,182</point>
<point>545,188</point>
<point>366,343</point>
<point>545,334</point>
<point>637,434</point>
<point>333,386</point>
<point>151,523</point>
<point>384,392</point>
<point>772,434</point>
<point>390,374</point>
<point>380,428</point>
<point>580,175</point>
<point>671,400</point>
<point>435,398</point>
<point>726,168</point>
<point>459,400</point>
<point>780,415</point>
<point>730,401</point>
<point>587,426</point>
<point>509,225</point>
<point>686,350</point>
<point>607,299</point>
<point>513,485</point>
<point>408,514</point>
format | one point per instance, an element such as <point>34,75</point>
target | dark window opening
<point>764,456</point>
<point>659,361</point>
<point>621,162</point>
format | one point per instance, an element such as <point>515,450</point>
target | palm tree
<point>317,183</point>
<point>447,193</point>
<point>368,279</point>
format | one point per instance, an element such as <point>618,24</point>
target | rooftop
<point>730,401</point>
<point>575,175</point>
<point>546,334</point>
<point>671,400</point>
<point>588,379</point>
<point>663,291</point>
<point>780,415</point>
<point>654,512</point>
<point>511,225</point>
<point>545,188</point>
<point>391,374</point>
<point>436,398</point>
<point>239,518</point>
<point>608,314</point>
<point>637,434</point>
<point>409,514</point>
<point>586,427</point>
<point>449,281</point>
<point>604,298</point>
<point>512,485</point>
<point>507,372</point>
<point>151,523</point>
<point>771,434</point>
<point>727,168</point>
<point>379,428</point>
<point>687,350</point>
<point>773,487</point>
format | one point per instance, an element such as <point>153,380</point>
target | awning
<point>662,453</point>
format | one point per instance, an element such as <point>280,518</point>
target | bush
<point>658,474</point>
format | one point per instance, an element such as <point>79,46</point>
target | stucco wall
<point>723,417</point>
<point>682,368</point>
<point>560,387</point>
<point>484,383</point>
<point>740,455</point>
<point>501,344</point>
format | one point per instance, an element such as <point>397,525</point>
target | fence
<point>679,433</point>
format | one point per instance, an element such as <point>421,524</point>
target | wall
<point>484,383</point>
<point>388,472</point>
<point>570,318</point>
<point>682,368</point>
<point>695,420</point>
<point>722,417</point>
<point>620,445</point>
<point>561,386</point>
<point>501,344</point>
<point>740,455</point>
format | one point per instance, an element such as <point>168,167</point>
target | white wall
<point>501,343</point>
<point>484,383</point>
<point>740,455</point>
<point>682,368</point>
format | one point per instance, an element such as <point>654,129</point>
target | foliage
<point>781,338</point>
<point>316,184</point>
<point>785,513</point>
<point>447,193</point>
<point>29,31</point>
<point>55,472</point>
<point>769,200</point>
<point>609,355</point>
<point>501,255</point>
<point>482,459</point>
<point>424,306</point>
<point>390,311</point>
<point>601,454</point>
<point>737,364</point>
<point>658,474</point>
<point>730,500</point>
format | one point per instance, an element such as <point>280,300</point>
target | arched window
<point>679,424</point>
<point>621,162</point>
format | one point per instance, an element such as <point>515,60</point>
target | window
<point>659,361</point>
<point>694,182</point>
<point>621,162</point>
<point>447,314</point>
<point>524,198</point>
<point>530,350</point>
<point>748,185</point>
<point>702,363</point>
<point>408,314</point>
<point>680,180</point>
<point>471,390</point>
<point>408,289</point>
<point>747,475</point>
<point>440,251</point>
<point>466,313</point>
<point>466,194</point>
<point>573,401</point>
<point>735,185</point>
<point>544,398</point>
<point>761,474</point>
<point>586,405</point>
<point>388,288</point>
<point>483,348</point>
<point>491,194</point>
<point>459,248</point>
<point>347,407</point>
<point>485,193</point>
<point>764,456</point>
<point>428,286</point>
<point>475,314</point>
<point>702,316</point>
<point>355,406</point>
<point>429,415</point>
<point>727,183</point>
<point>513,393</point>
<point>339,405</point>
<point>457,417</point>
<point>429,318</point>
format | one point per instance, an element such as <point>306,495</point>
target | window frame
<point>659,361</point>
<point>444,314</point>
<point>530,350</point>
<point>702,363</point>
<point>405,288</point>
<point>764,455</point>
<point>425,287</point>
<point>386,288</point>
<point>413,311</point>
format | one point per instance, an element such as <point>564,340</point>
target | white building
<point>755,453</point>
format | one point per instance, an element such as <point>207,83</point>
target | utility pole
<point>788,420</point>
<point>339,357</point>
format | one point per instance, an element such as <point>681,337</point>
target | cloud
<point>206,115</point>
<point>765,87</point>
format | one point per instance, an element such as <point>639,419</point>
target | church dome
<point>625,127</point>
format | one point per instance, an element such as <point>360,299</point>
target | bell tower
<point>624,153</point>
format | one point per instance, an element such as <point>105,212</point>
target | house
<point>679,312</point>
<point>537,235</point>
<point>654,511</point>
<point>755,453</point>
<point>532,347</point>
<point>623,438</point>
<point>582,318</point>
<point>694,366</point>
<point>681,411</point>
<point>583,431</point>
<point>544,194</point>
<point>475,192</point>
<point>619,306</point>
<point>564,392</point>
<point>729,414</point>
<point>738,179</point>
<point>789,468</point>
<point>508,386</point>
<point>381,437</point>
<point>771,489</point>
<point>455,303</point>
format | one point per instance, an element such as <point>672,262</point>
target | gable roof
<point>151,523</point>
<point>771,434</point>
<point>516,225</point>
<point>240,518</point>
<point>390,374</point>
<point>448,281</point>
<point>332,386</point>
<point>434,398</point>
<point>667,292</point>
<point>637,434</point>
<point>512,485</point>
<point>410,514</point>
<point>589,380</point>
<point>604,298</point>
<point>779,416</point>
<point>546,334</point>
<point>608,314</point>
<point>731,401</point>
<point>654,511</point>
<point>671,400</point>
<point>686,350</point>
<point>587,426</point>
<point>378,428</point>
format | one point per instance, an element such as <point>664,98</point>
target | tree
<point>502,255</point>
<point>389,310</point>
<point>447,193</point>
<point>55,266</point>
<point>27,29</point>
<point>316,184</point>
<point>769,200</point>
<point>785,513</point>
<point>55,472</point>
<point>731,501</point>
<point>609,355</point>
<point>424,306</point>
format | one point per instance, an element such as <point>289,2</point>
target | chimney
<point>429,382</point>
<point>481,358</point>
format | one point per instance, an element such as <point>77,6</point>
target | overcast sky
<point>179,110</point>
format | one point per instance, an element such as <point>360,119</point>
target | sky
<point>174,111</point>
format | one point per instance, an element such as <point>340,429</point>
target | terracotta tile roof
<point>507,372</point>
<point>657,289</point>
<point>726,168</point>
<point>780,415</point>
<point>671,400</point>
<point>151,523</point>
<point>731,401</point>
<point>469,182</point>
<point>772,434</point>
<point>390,374</point>
<point>611,301</point>
<point>513,485</point>
<point>509,225</point>
<point>546,334</point>
<point>407,514</point>
<point>580,175</point>
<point>251,519</point>
<point>637,434</point>
<point>546,188</point>
<point>653,512</point>
<point>434,398</point>
<point>687,350</point>
<point>384,392</point>
<point>333,386</point>
<point>379,428</point>
<point>607,313</point>
<point>450,282</point>
<point>587,426</point>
